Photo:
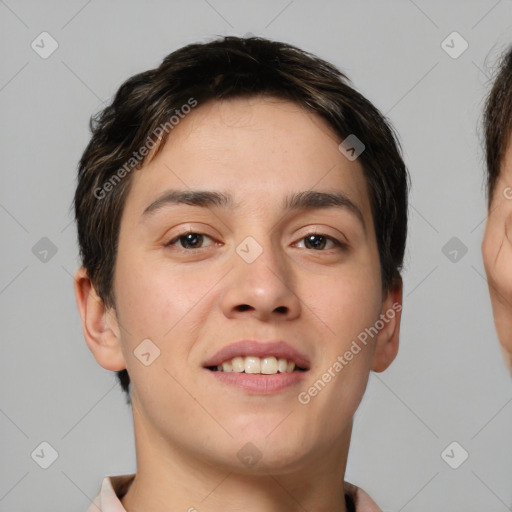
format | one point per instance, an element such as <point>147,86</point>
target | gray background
<point>448,382</point>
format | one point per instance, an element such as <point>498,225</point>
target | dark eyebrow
<point>307,200</point>
<point>204,199</point>
<point>313,200</point>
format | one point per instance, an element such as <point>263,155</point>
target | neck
<point>170,477</point>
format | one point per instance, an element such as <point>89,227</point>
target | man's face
<point>497,255</point>
<point>250,270</point>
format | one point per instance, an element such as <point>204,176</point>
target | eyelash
<point>340,245</point>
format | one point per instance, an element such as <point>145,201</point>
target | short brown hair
<point>498,121</point>
<point>225,68</point>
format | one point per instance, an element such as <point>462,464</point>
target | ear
<point>386,343</point>
<point>99,324</point>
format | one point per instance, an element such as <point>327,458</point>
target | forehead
<point>255,129</point>
<point>260,147</point>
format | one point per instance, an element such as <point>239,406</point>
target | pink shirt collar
<point>115,487</point>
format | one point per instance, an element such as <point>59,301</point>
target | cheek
<point>350,301</point>
<point>161,304</point>
<point>349,309</point>
<point>156,298</point>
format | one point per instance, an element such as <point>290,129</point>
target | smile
<point>253,364</point>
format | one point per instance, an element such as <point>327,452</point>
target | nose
<point>264,289</point>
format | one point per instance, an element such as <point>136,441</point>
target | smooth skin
<point>497,255</point>
<point>197,295</point>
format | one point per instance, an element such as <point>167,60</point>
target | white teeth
<point>238,364</point>
<point>252,364</point>
<point>269,365</point>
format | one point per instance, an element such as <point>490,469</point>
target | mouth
<point>259,367</point>
<point>270,365</point>
<point>258,357</point>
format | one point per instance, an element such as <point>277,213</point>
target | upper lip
<point>259,349</point>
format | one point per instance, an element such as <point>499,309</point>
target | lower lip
<point>259,383</point>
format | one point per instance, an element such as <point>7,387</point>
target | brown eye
<point>189,240</point>
<point>318,241</point>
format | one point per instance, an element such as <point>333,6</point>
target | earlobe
<point>387,340</point>
<point>99,324</point>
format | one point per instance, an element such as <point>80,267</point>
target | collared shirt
<point>113,488</point>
